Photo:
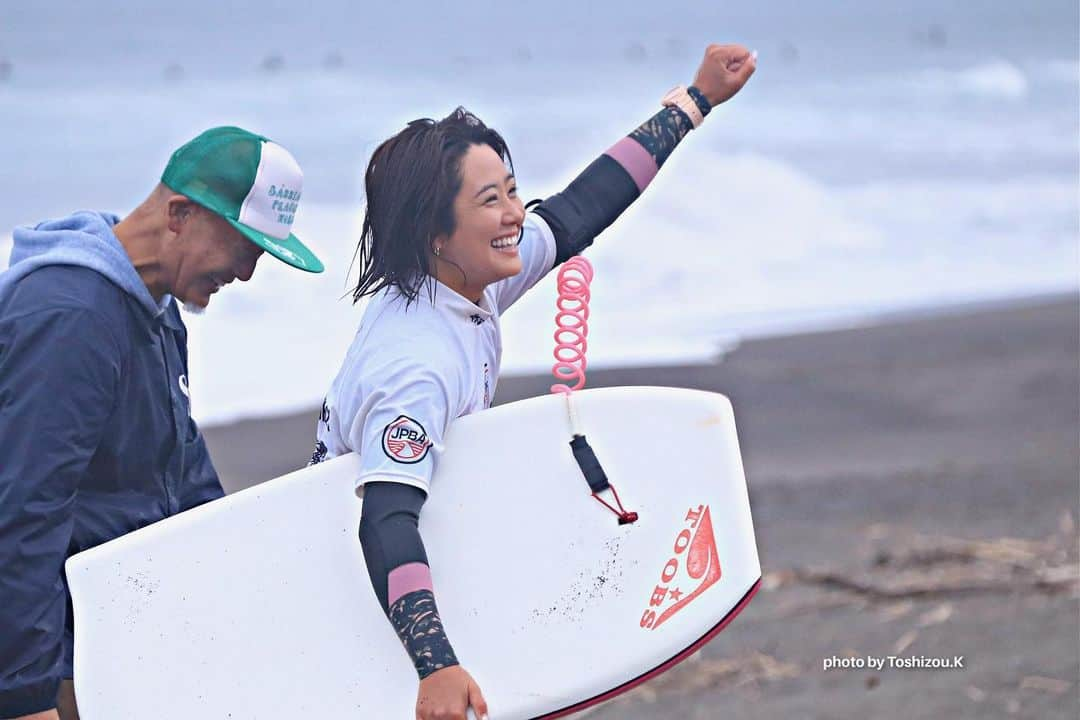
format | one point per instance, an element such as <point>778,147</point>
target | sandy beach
<point>915,494</point>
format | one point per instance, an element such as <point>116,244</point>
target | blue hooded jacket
<point>96,435</point>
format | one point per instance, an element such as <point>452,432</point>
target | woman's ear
<point>437,244</point>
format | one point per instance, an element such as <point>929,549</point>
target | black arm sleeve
<point>587,206</point>
<point>390,537</point>
<point>389,531</point>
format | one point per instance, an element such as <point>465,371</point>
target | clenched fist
<point>724,71</point>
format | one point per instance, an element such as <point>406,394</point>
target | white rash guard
<point>411,371</point>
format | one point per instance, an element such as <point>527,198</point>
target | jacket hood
<point>85,239</point>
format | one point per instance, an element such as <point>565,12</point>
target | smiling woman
<point>483,247</point>
<point>434,191</point>
<point>444,216</point>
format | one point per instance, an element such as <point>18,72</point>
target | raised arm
<point>614,180</point>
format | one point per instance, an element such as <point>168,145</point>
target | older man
<point>96,435</point>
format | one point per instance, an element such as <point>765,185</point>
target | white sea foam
<point>854,178</point>
<point>721,247</point>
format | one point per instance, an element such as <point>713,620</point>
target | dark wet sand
<point>915,489</point>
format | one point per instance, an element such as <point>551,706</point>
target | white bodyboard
<point>259,605</point>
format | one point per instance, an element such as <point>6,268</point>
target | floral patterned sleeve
<point>416,620</point>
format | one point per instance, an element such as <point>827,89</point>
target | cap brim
<point>290,250</point>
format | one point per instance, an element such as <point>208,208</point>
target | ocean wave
<point>974,205</point>
<point>720,247</point>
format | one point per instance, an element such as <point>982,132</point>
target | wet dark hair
<point>411,182</point>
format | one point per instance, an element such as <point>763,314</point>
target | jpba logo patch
<point>693,567</point>
<point>405,440</point>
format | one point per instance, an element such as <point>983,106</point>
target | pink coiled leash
<point>571,334</point>
<point>572,324</point>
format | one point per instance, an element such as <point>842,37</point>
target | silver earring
<point>437,252</point>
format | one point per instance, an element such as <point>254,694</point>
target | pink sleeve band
<point>405,579</point>
<point>636,160</point>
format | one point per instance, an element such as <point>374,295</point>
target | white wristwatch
<point>680,98</point>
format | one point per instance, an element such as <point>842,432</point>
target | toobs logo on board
<point>693,567</point>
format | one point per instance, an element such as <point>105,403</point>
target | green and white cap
<point>253,183</point>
